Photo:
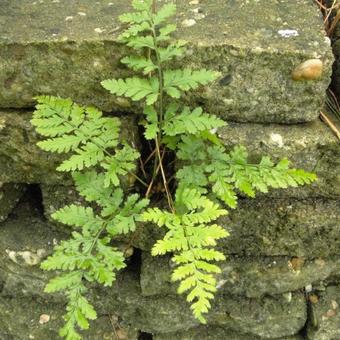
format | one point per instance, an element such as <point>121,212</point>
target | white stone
<point>276,139</point>
<point>188,22</point>
<point>288,33</point>
<point>99,30</point>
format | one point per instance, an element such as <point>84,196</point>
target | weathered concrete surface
<point>10,194</point>
<point>270,317</point>
<point>273,227</point>
<point>21,161</point>
<point>19,320</point>
<point>246,276</point>
<point>57,196</point>
<point>67,47</point>
<point>311,146</point>
<point>213,333</point>
<point>26,238</point>
<point>325,311</point>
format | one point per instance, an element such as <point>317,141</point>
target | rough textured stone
<point>273,227</point>
<point>19,320</point>
<point>311,146</point>
<point>289,227</point>
<point>213,333</point>
<point>56,50</point>
<point>26,238</point>
<point>21,161</point>
<point>57,196</point>
<point>248,276</point>
<point>325,316</point>
<point>270,317</point>
<point>9,196</point>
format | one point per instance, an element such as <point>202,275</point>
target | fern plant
<point>208,177</point>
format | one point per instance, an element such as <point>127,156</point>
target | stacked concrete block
<point>280,279</point>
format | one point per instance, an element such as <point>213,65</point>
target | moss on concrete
<point>325,315</point>
<point>21,161</point>
<point>10,194</point>
<point>270,317</point>
<point>67,48</point>
<point>214,333</point>
<point>253,277</point>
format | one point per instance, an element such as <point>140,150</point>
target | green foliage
<point>91,143</point>
<point>192,236</point>
<point>211,166</point>
<point>209,177</point>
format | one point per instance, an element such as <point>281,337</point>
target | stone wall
<point>282,276</point>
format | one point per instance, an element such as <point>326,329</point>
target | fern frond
<point>119,164</point>
<point>75,215</point>
<point>234,170</point>
<point>71,127</point>
<point>192,175</point>
<point>139,43</point>
<point>191,122</point>
<point>135,18</point>
<point>176,81</point>
<point>62,144</point>
<point>142,5</point>
<point>63,282</point>
<point>52,115</point>
<point>172,51</point>
<point>133,31</point>
<point>137,63</point>
<point>224,191</point>
<point>164,13</point>
<point>79,311</point>
<point>190,237</point>
<point>125,221</point>
<point>151,128</point>
<point>164,32</point>
<point>85,157</point>
<point>91,185</point>
<point>191,148</point>
<point>134,88</point>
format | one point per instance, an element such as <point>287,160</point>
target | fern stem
<point>168,194</point>
<point>160,116</point>
<point>138,179</point>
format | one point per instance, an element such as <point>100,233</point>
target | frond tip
<point>192,238</point>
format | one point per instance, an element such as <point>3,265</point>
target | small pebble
<point>69,18</point>
<point>44,318</point>
<point>99,30</point>
<point>313,298</point>
<point>82,14</point>
<point>188,22</point>
<point>308,288</point>
<point>288,33</point>
<point>308,70</point>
